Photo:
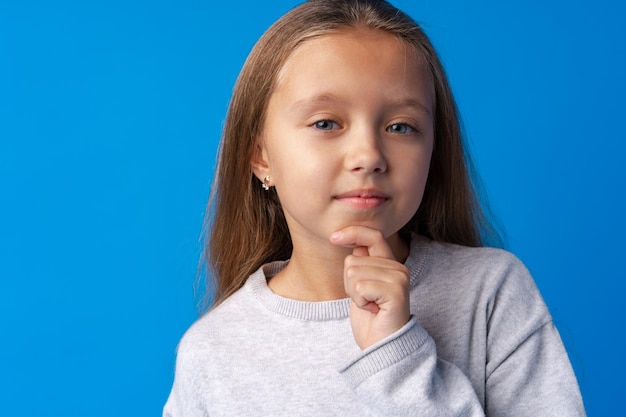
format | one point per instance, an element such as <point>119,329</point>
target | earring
<point>266,183</point>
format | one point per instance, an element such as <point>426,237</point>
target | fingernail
<point>335,236</point>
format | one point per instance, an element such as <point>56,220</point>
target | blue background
<point>110,114</point>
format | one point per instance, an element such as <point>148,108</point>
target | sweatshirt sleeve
<point>186,399</point>
<point>528,372</point>
<point>402,376</point>
<point>514,356</point>
<point>536,379</point>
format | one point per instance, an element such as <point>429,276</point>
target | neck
<point>311,278</point>
<point>317,275</point>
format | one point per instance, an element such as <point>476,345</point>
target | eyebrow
<point>413,104</point>
<point>329,98</point>
<point>319,99</point>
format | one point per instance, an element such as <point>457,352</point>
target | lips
<point>363,199</point>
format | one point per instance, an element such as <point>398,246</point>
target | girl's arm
<point>402,376</point>
<point>398,373</point>
<point>525,371</point>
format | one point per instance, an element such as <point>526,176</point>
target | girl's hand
<point>377,284</point>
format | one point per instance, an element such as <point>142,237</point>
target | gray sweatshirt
<point>480,342</point>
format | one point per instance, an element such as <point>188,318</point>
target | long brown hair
<point>246,225</point>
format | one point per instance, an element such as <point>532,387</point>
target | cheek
<point>418,175</point>
<point>302,162</point>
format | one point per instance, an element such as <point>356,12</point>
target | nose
<point>365,153</point>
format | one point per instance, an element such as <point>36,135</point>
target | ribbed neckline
<point>322,310</point>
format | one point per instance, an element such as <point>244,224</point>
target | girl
<point>346,243</point>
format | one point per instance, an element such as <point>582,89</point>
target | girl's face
<point>348,135</point>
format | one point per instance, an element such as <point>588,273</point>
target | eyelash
<point>317,124</point>
<point>404,124</point>
<point>327,122</point>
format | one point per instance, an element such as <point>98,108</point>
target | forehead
<point>351,37</point>
<point>350,56</point>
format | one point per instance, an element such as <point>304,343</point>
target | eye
<point>325,125</point>
<point>401,128</point>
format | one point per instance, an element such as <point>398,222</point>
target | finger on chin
<point>361,236</point>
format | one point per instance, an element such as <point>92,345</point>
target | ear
<point>259,161</point>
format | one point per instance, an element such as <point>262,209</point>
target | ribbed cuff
<point>385,353</point>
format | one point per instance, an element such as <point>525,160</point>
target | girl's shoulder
<point>467,281</point>
<point>224,321</point>
<point>449,268</point>
<point>427,254</point>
